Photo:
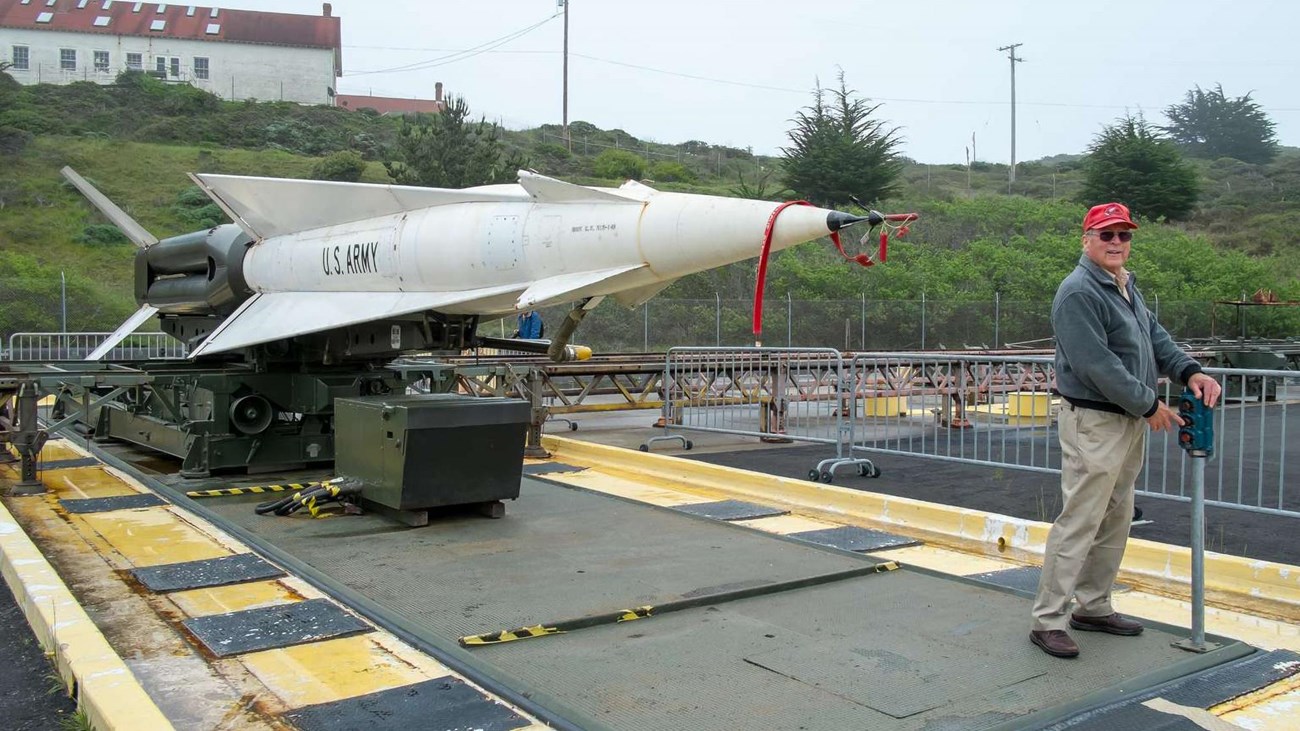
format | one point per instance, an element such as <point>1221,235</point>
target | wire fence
<point>875,324</point>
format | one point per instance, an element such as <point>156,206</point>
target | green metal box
<point>415,452</point>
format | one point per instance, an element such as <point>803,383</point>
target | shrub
<point>619,164</point>
<point>102,234</point>
<point>346,166</point>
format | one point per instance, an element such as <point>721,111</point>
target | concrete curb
<point>1231,581</point>
<point>105,688</point>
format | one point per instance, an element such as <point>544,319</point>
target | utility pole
<point>1011,54</point>
<point>568,141</point>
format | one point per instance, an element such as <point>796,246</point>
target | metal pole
<point>568,141</point>
<point>864,320</point>
<point>645,310</point>
<point>789,321</point>
<point>922,320</point>
<point>997,320</point>
<point>1198,550</point>
<point>717,319</point>
<point>63,281</point>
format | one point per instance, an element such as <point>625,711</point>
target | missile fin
<point>273,316</point>
<point>268,207</point>
<point>550,190</point>
<point>568,285</point>
<point>119,217</point>
<point>640,295</point>
<point>132,324</point>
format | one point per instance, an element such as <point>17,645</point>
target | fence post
<point>789,320</point>
<point>717,320</point>
<point>922,319</point>
<point>645,309</point>
<point>997,320</point>
<point>864,320</point>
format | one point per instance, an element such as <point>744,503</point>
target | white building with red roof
<point>236,54</point>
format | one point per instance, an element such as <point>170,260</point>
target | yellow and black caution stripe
<point>255,490</point>
<point>644,612</point>
<point>496,638</point>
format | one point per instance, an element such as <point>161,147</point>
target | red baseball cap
<point>1107,214</point>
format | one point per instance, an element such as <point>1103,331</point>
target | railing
<point>44,346</point>
<point>987,410</point>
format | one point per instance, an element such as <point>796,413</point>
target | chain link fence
<point>873,324</point>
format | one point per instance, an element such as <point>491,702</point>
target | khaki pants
<point>1101,456</point>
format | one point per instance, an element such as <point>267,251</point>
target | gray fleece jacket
<point>1109,352</point>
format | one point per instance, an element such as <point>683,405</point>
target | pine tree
<point>446,150</point>
<point>1209,124</point>
<point>839,151</point>
<point>1130,163</point>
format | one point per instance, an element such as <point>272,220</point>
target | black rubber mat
<point>731,510</point>
<point>1228,682</point>
<point>267,628</point>
<point>1023,579</point>
<point>853,538</point>
<point>441,703</point>
<point>1205,690</point>
<point>105,504</point>
<point>235,569</point>
<point>550,468</point>
<point>63,464</point>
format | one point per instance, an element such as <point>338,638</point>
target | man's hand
<point>1165,418</point>
<point>1205,388</point>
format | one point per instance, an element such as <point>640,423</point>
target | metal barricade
<point>988,410</point>
<point>774,394</point>
<point>45,346</point>
<point>1256,425</point>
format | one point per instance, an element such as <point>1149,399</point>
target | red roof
<point>236,26</point>
<point>387,104</point>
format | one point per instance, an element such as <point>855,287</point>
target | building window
<point>101,61</point>
<point>68,59</point>
<point>160,65</point>
<point>200,67</point>
<point>176,67</point>
<point>22,58</point>
<point>135,61</point>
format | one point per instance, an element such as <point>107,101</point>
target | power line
<point>460,55</point>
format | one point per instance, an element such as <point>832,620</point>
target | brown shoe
<point>1055,642</point>
<point>1115,624</point>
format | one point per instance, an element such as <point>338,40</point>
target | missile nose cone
<point>836,220</point>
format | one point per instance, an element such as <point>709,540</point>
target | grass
<point>78,721</point>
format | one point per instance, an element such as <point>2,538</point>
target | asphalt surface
<point>30,700</point>
<point>1028,495</point>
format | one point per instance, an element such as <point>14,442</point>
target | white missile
<point>314,256</point>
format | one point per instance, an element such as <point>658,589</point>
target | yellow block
<point>1029,403</point>
<point>107,691</point>
<point>233,598</point>
<point>319,672</point>
<point>884,406</point>
<point>152,536</point>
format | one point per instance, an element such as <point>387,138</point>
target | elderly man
<point>1109,352</point>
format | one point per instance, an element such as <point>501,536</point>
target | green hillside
<point>978,238</point>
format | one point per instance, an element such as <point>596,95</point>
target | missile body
<point>308,257</point>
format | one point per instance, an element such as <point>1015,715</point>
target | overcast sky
<point>735,72</point>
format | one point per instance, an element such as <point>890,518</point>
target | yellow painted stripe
<point>330,670</point>
<point>1257,586</point>
<point>233,598</point>
<point>107,691</point>
<point>151,536</point>
<point>253,490</point>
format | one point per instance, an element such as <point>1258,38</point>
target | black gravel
<point>30,698</point>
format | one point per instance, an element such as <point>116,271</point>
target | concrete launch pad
<point>755,618</point>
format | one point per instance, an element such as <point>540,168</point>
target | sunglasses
<point>1109,236</point>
